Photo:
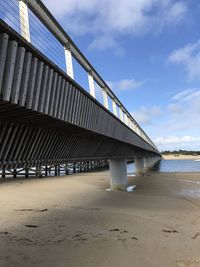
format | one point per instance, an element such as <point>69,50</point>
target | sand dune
<point>181,157</point>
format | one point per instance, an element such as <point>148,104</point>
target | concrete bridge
<point>54,106</point>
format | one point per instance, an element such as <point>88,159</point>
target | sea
<point>171,166</point>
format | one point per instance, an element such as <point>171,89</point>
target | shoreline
<point>73,221</point>
<point>181,157</point>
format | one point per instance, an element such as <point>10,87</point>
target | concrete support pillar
<point>91,84</point>
<point>68,60</point>
<point>147,163</point>
<point>105,98</point>
<point>24,20</point>
<point>118,174</point>
<point>139,165</point>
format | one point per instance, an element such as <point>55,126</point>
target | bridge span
<point>54,106</point>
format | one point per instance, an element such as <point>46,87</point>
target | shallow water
<point>171,166</point>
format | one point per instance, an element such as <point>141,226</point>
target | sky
<point>148,52</point>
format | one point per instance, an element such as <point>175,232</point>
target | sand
<point>181,157</point>
<point>73,221</point>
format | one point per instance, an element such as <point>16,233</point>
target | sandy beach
<point>73,221</point>
<point>181,157</point>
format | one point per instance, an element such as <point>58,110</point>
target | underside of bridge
<point>32,140</point>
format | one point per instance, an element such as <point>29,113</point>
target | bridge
<point>54,106</point>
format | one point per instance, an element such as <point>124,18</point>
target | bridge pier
<point>139,166</point>
<point>149,162</point>
<point>118,174</point>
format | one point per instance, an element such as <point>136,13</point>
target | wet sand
<point>73,221</point>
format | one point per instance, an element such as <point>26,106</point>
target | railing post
<point>114,106</point>
<point>121,114</point>
<point>91,84</point>
<point>126,119</point>
<point>105,98</point>
<point>68,60</point>
<point>24,19</point>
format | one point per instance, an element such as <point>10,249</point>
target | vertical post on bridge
<point>26,172</point>
<point>68,61</point>
<point>125,119</point>
<point>3,174</point>
<point>105,98</point>
<point>121,114</point>
<point>114,106</point>
<point>91,83</point>
<point>14,173</point>
<point>24,19</point>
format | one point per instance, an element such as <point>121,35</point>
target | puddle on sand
<point>131,174</point>
<point>190,181</point>
<point>191,193</point>
<point>129,188</point>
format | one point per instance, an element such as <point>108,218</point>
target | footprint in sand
<point>192,263</point>
<point>114,230</point>
<point>122,232</point>
<point>4,233</point>
<point>170,231</point>
<point>80,237</point>
<point>32,225</point>
<point>196,235</point>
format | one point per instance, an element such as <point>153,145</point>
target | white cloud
<point>125,84</point>
<point>116,18</point>
<point>183,111</point>
<point>106,42</point>
<point>145,115</point>
<point>187,95</point>
<point>183,94</point>
<point>177,12</point>
<point>175,142</point>
<point>175,108</point>
<point>180,116</point>
<point>189,58</point>
<point>177,122</point>
<point>171,140</point>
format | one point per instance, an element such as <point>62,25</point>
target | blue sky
<point>148,51</point>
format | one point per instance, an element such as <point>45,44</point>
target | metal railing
<point>35,23</point>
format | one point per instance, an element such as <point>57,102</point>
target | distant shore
<point>181,157</point>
